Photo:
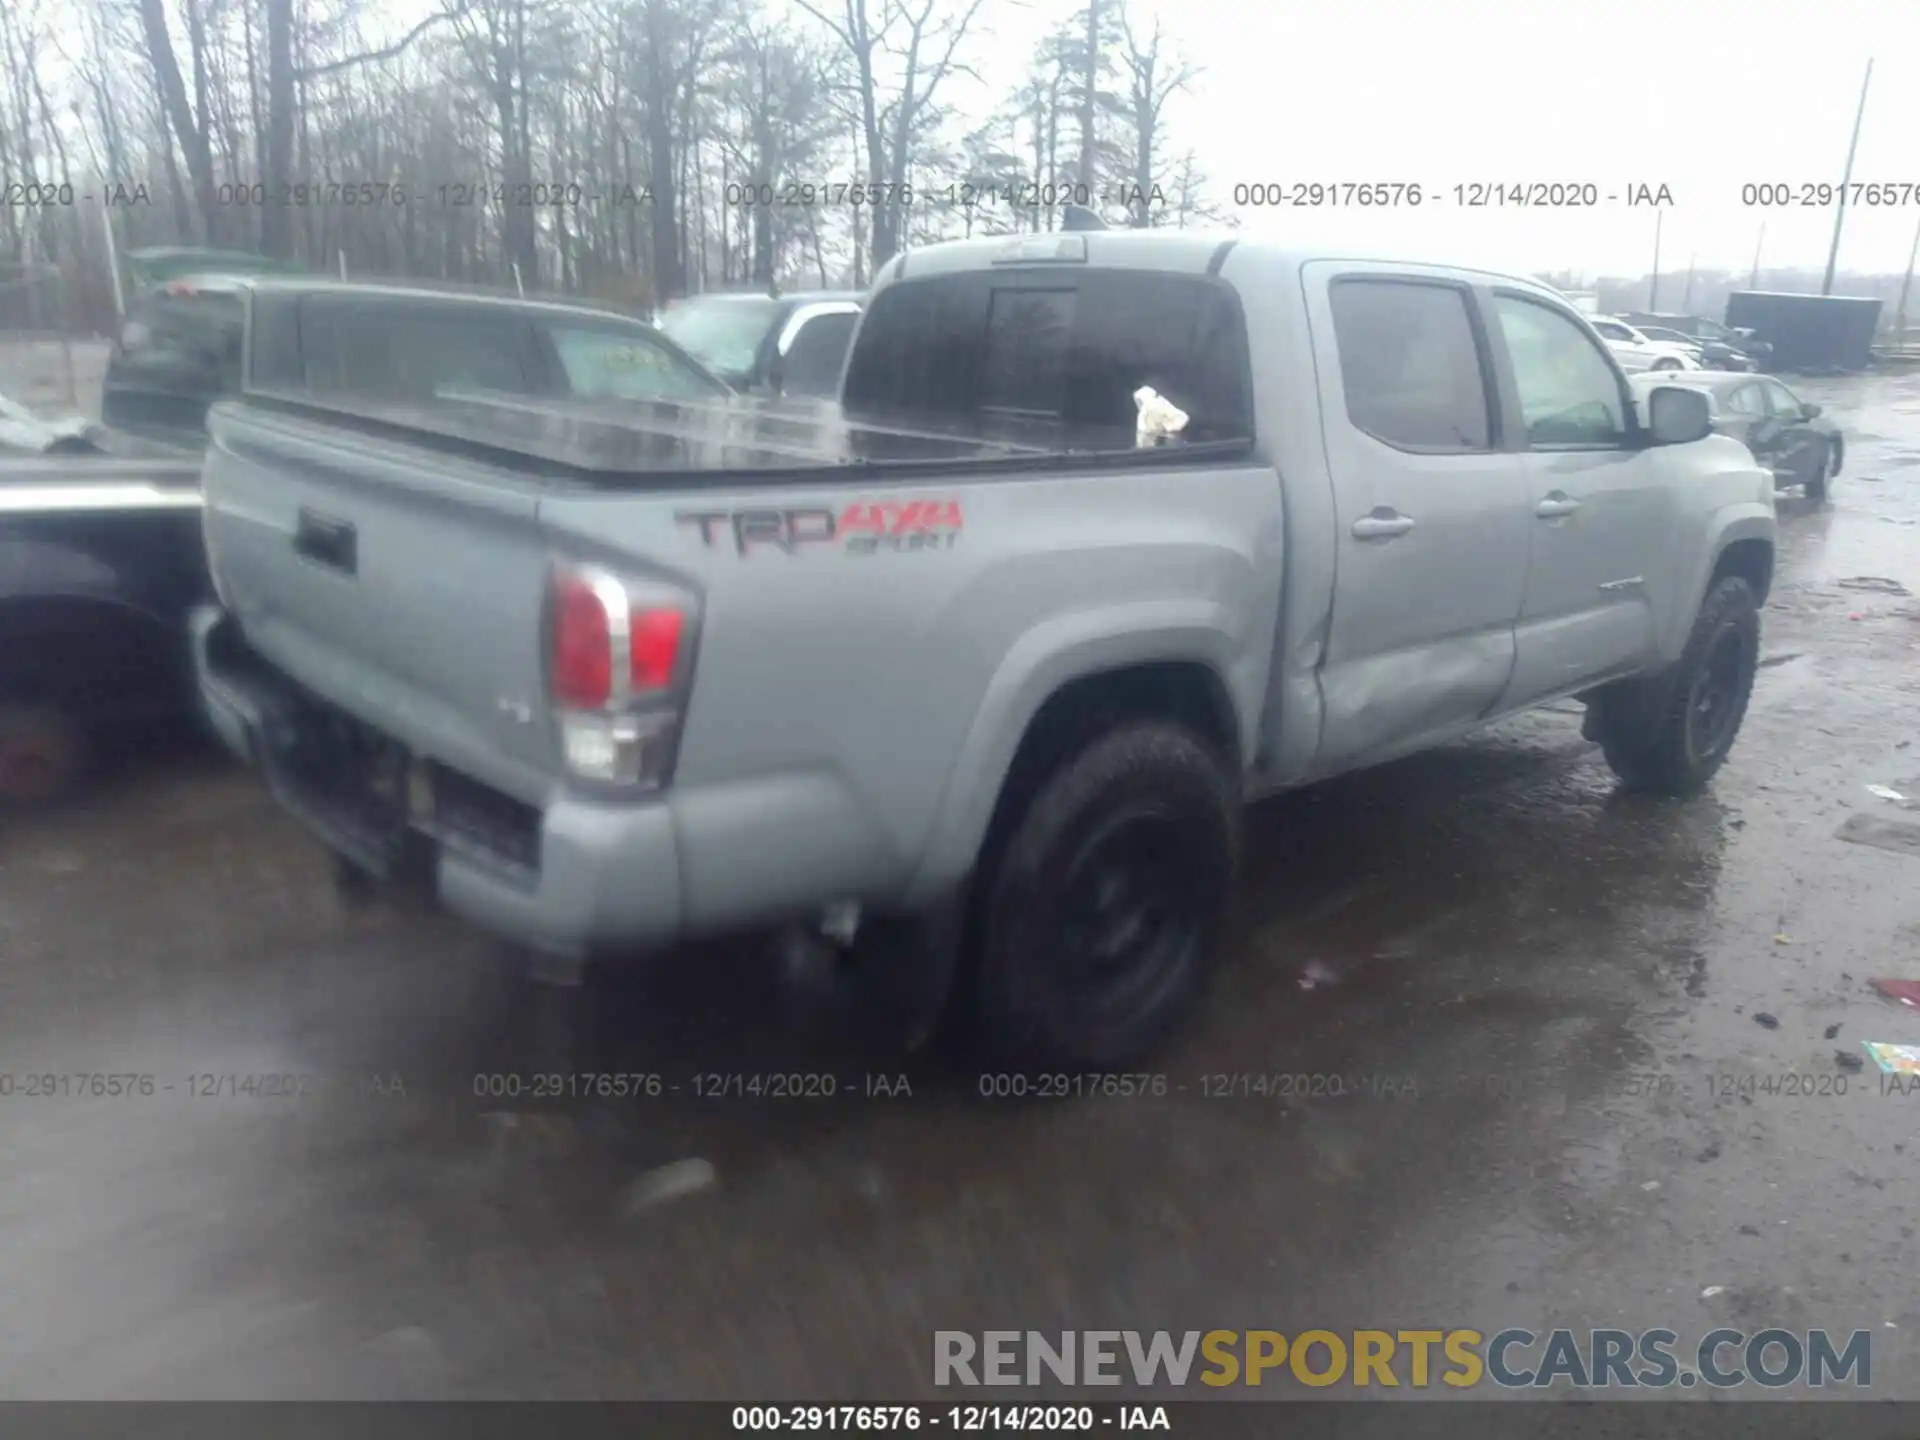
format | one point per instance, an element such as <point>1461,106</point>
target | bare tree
<point>276,223</point>
<point>920,40</point>
<point>1188,204</point>
<point>495,34</point>
<point>598,146</point>
<point>186,117</point>
<point>1153,78</point>
<point>1090,67</point>
<point>777,87</point>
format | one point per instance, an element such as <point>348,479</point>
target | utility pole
<point>1846,182</point>
<point>1906,284</point>
<point>1653,286</point>
<point>1686,296</point>
<point>1753,280</point>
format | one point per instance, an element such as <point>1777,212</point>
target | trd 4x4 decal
<point>865,527</point>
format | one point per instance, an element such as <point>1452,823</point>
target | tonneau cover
<point>607,442</point>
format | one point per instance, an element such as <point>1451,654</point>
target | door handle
<point>1555,506</point>
<point>1383,524</point>
<point>327,541</point>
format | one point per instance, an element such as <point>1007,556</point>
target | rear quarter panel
<point>886,689</point>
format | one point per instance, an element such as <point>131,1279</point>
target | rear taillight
<point>616,665</point>
<point>582,667</point>
<point>654,647</point>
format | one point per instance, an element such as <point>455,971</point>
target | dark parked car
<point>786,345</point>
<point>1792,438</point>
<point>180,349</point>
<point>100,559</point>
<point>1674,337</point>
<point>1721,348</point>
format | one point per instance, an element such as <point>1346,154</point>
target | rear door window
<point>1410,364</point>
<point>1065,347</point>
<point>409,352</point>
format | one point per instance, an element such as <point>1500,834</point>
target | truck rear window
<point>1065,347</point>
<point>409,352</point>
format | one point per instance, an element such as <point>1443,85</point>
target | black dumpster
<point>1809,333</point>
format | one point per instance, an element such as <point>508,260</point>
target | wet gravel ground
<point>1540,997</point>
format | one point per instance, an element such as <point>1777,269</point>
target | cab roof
<point>1193,252</point>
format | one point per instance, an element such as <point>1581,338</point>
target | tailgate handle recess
<point>327,541</point>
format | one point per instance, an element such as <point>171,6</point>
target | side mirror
<point>1809,412</point>
<point>1678,416</point>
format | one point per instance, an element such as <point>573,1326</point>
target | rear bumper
<point>602,876</point>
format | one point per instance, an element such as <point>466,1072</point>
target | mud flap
<point>905,971</point>
<point>1628,707</point>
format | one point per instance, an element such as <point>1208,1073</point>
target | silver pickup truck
<point>971,669</point>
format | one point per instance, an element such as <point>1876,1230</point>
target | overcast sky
<point>1701,95</point>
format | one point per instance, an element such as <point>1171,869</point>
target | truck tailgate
<point>403,587</point>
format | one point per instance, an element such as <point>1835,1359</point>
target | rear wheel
<point>1100,913</point>
<point>1670,734</point>
<point>1666,364</point>
<point>43,754</point>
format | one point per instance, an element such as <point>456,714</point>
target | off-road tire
<point>43,755</point>
<point>1029,999</point>
<point>1652,731</point>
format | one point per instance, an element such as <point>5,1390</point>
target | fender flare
<point>1045,659</point>
<point>1749,520</point>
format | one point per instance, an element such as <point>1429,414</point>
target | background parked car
<point>787,345</point>
<point>1712,354</point>
<point>1792,438</point>
<point>1635,351</point>
<point>1720,343</point>
<point>1662,336</point>
<point>180,348</point>
<point>152,267</point>
<point>100,559</point>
